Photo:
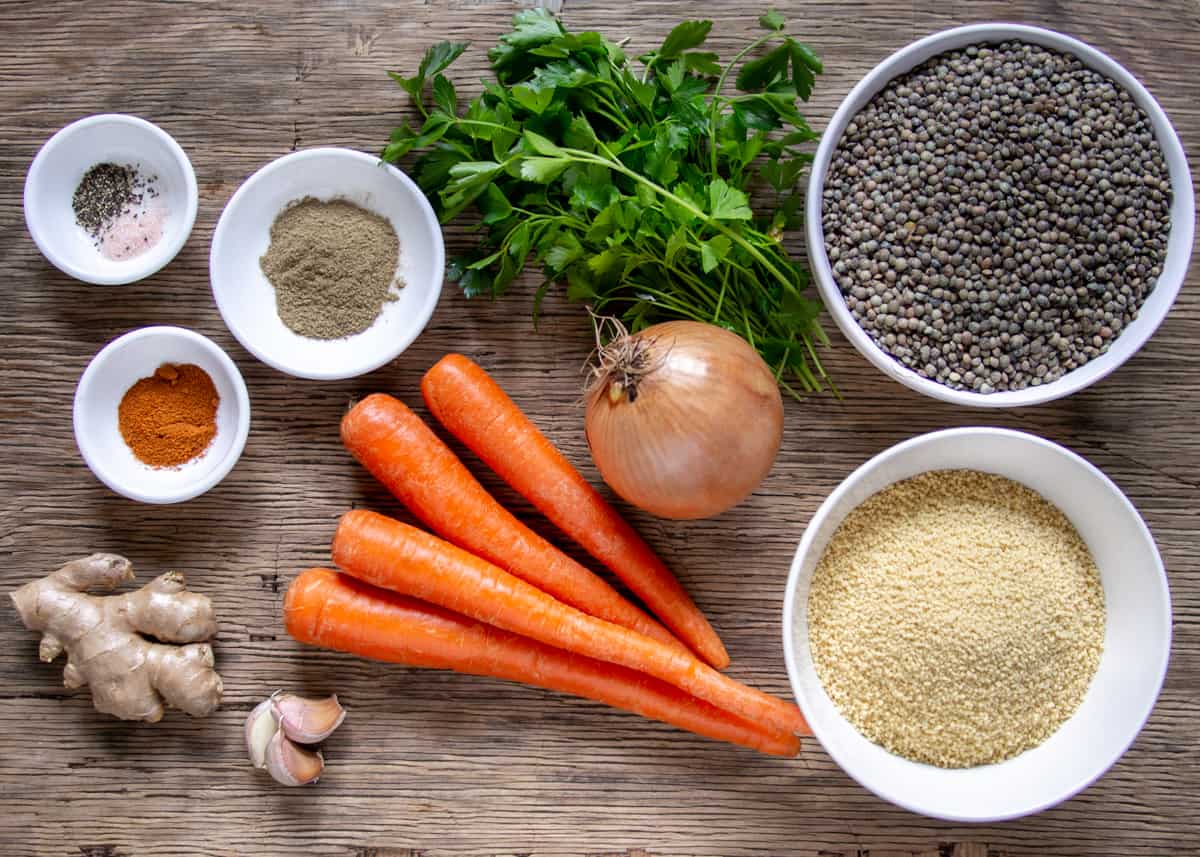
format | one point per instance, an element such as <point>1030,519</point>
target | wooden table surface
<point>432,763</point>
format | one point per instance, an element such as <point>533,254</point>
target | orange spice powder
<point>171,417</point>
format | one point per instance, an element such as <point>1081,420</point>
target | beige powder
<point>333,266</point>
<point>956,618</point>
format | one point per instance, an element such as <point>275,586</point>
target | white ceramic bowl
<point>246,298</point>
<point>113,371</point>
<point>1179,242</point>
<point>61,163</point>
<point>1136,643</point>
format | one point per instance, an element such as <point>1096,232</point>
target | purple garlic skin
<point>289,764</point>
<point>307,721</point>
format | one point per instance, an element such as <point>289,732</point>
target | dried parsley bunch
<point>631,184</point>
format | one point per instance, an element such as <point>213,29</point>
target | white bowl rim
<point>421,318</point>
<point>241,430</point>
<point>901,798</point>
<point>898,63</point>
<point>147,264</point>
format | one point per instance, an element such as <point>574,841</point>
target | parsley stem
<point>667,299</point>
<point>721,297</point>
<point>716,96</point>
<point>632,102</point>
<point>464,121</point>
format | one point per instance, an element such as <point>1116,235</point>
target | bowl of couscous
<point>976,624</point>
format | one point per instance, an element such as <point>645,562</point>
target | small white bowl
<point>62,162</point>
<point>246,298</point>
<point>1137,638</point>
<point>1179,241</point>
<point>113,371</point>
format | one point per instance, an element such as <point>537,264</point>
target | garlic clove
<point>261,727</point>
<point>307,721</point>
<point>290,764</point>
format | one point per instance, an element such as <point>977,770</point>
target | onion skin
<point>684,419</point>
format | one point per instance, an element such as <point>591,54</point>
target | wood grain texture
<point>437,764</point>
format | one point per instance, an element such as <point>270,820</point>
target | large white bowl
<point>117,367</point>
<point>1137,637</point>
<point>60,164</point>
<point>246,298</point>
<point>1179,242</point>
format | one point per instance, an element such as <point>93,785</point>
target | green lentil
<point>997,216</point>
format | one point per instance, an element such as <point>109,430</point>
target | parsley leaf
<point>727,203</point>
<point>444,96</point>
<point>686,35</point>
<point>772,21</point>
<point>543,170</point>
<point>713,251</point>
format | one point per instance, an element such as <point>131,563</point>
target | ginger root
<point>130,676</point>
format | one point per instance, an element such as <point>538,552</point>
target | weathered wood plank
<point>430,763</point>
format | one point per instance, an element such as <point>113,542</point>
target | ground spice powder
<point>170,417</point>
<point>956,618</point>
<point>333,266</point>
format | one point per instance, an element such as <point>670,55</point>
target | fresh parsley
<point>631,184</point>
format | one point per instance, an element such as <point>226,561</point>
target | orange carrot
<point>474,409</point>
<point>412,562</point>
<point>426,476</point>
<point>334,611</point>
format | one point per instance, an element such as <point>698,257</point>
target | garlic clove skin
<point>261,727</point>
<point>307,721</point>
<point>292,765</point>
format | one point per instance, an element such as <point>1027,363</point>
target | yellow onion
<point>684,419</point>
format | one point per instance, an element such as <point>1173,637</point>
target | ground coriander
<point>956,618</point>
<point>333,266</point>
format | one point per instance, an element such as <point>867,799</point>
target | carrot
<point>334,611</point>
<point>412,562</point>
<point>473,408</point>
<point>426,476</point>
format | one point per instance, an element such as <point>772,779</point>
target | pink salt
<point>134,232</point>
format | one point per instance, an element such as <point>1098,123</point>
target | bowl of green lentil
<point>999,215</point>
<point>976,624</point>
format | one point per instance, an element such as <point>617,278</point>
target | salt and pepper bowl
<point>60,165</point>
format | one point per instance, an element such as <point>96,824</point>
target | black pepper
<point>107,191</point>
